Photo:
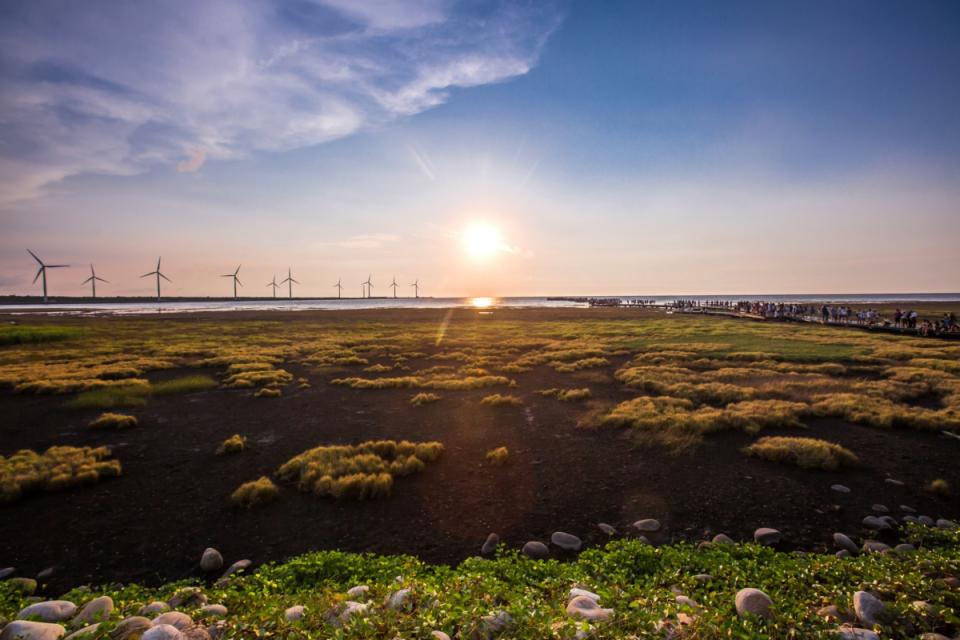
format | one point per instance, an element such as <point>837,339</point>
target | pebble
<point>847,632</point>
<point>767,536</point>
<point>189,597</point>
<point>536,550</point>
<point>875,523</point>
<point>926,520</point>
<point>943,523</point>
<point>294,613</point>
<point>133,626</point>
<point>687,602</point>
<point>84,632</point>
<point>439,635</point>
<point>894,482</point>
<point>236,567</point>
<point>28,630</point>
<point>875,546</point>
<point>844,542</point>
<point>647,525</point>
<point>97,610</point>
<point>607,529</point>
<point>754,602</point>
<point>175,619</point>
<point>154,608</point>
<point>46,573</point>
<point>6,572</point>
<point>868,608</point>
<point>832,613</point>
<point>49,611</point>
<point>880,508</point>
<point>722,538</point>
<point>162,632</point>
<point>933,636</point>
<point>587,608</point>
<point>214,610</point>
<point>703,577</point>
<point>904,548</point>
<point>907,509</point>
<point>490,545</point>
<point>351,609</point>
<point>358,591</point>
<point>566,541</point>
<point>211,560</point>
<point>839,488</point>
<point>398,599</point>
<point>496,624</point>
<point>577,591</point>
<point>925,609</point>
<point>843,553</point>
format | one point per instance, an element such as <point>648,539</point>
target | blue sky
<point>635,147</point>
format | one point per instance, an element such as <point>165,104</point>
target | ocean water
<point>140,307</point>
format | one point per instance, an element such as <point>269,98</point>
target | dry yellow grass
<point>234,444</point>
<point>54,469</point>
<point>808,453</point>
<point>939,487</point>
<point>499,456</point>
<point>499,400</point>
<point>113,421</point>
<point>423,398</point>
<point>267,392</point>
<point>257,492</point>
<point>439,382</point>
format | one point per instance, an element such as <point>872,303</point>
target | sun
<point>481,240</point>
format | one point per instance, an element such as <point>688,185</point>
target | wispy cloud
<point>368,241</point>
<point>98,87</point>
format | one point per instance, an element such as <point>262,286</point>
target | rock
<point>910,519</point>
<point>294,613</point>
<point>933,636</point>
<point>358,591</point>
<point>46,573</point>
<point>134,626</point>
<point>175,619</point>
<point>722,538</point>
<point>925,520</point>
<point>88,630</point>
<point>490,545</point>
<point>753,602</point>
<point>767,536</point>
<point>843,553</point>
<point>26,586</point>
<point>576,591</point>
<point>833,613</point>
<point>607,529</point>
<point>439,635</point>
<point>847,632</point>
<point>891,521</point>
<point>211,560</point>
<point>6,572</point>
<point>686,602</point>
<point>188,597</point>
<point>907,509</point>
<point>162,632</point>
<point>493,625</point>
<point>893,482</point>
<point>925,609</point>
<point>943,523</point>
<point>875,523</point>
<point>351,609</point>
<point>647,525</point>
<point>536,550</point>
<point>236,567</point>
<point>869,609</point>
<point>28,630</point>
<point>49,611</point>
<point>196,632</point>
<point>566,541</point>
<point>844,542</point>
<point>880,508</point>
<point>587,608</point>
<point>875,546</point>
<point>97,610</point>
<point>217,610</point>
<point>904,548</point>
<point>839,488</point>
<point>703,577</point>
<point>398,599</point>
<point>154,608</point>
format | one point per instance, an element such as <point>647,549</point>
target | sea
<point>327,304</point>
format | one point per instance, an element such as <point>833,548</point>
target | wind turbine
<point>42,271</point>
<point>159,275</point>
<point>416,288</point>
<point>289,281</point>
<point>393,285</point>
<point>93,280</point>
<point>236,280</point>
<point>273,283</point>
<point>339,288</point>
<point>369,286</point>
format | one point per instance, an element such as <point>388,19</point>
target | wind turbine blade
<point>56,266</point>
<point>165,277</point>
<point>238,269</point>
<point>226,275</point>
<point>39,261</point>
<point>102,280</point>
<point>294,281</point>
<point>88,280</point>
<point>238,281</point>
<point>148,274</point>
<point>158,262</point>
<point>39,271</point>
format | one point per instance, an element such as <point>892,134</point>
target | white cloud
<point>368,241</point>
<point>101,87</point>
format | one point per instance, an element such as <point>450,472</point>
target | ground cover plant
<point>234,444</point>
<point>423,398</point>
<point>498,456</point>
<point>501,400</point>
<point>184,384</point>
<point>54,469</point>
<point>255,493</point>
<point>113,421</point>
<point>358,472</point>
<point>809,453</point>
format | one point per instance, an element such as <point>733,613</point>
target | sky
<point>497,148</point>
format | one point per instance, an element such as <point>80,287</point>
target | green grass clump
<point>234,444</point>
<point>358,472</point>
<point>423,398</point>
<point>54,469</point>
<point>185,384</point>
<point>808,453</point>
<point>113,421</point>
<point>34,334</point>
<point>114,396</point>
<point>498,456</point>
<point>255,493</point>
<point>498,400</point>
<point>939,487</point>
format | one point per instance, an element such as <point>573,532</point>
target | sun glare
<point>481,303</point>
<point>482,240</point>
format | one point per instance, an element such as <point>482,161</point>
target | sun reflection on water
<point>481,303</point>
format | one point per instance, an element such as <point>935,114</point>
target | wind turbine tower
<point>159,275</point>
<point>236,280</point>
<point>93,279</point>
<point>394,286</point>
<point>273,283</point>
<point>339,288</point>
<point>416,288</point>
<point>42,271</point>
<point>289,281</point>
<point>369,286</point>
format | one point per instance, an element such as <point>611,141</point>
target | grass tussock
<point>234,444</point>
<point>423,398</point>
<point>113,421</point>
<point>358,472</point>
<point>440,382</point>
<point>130,394</point>
<point>185,384</point>
<point>807,453</point>
<point>939,487</point>
<point>378,368</point>
<point>499,400</point>
<point>498,457</point>
<point>267,392</point>
<point>55,469</point>
<point>257,378</point>
<point>17,334</point>
<point>255,493</point>
<point>577,365</point>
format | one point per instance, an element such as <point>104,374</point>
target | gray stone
<point>767,536</point>
<point>97,610</point>
<point>175,619</point>
<point>211,560</point>
<point>6,572</point>
<point>132,626</point>
<point>843,553</point>
<point>493,625</point>
<point>217,610</point>
<point>686,602</point>
<point>753,602</point>
<point>439,635</point>
<point>875,523</point>
<point>869,609</point>
<point>196,632</point>
<point>358,592</point>
<point>647,525</point>
<point>490,545</point>
<point>880,508</point>
<point>86,631</point>
<point>236,567</point>
<point>188,597</point>
<point>351,608</point>
<point>26,586</point>
<point>46,573</point>
<point>28,630</point>
<point>910,519</point>
<point>722,538</point>
<point>588,609</point>
<point>894,482</point>
<point>933,636</point>
<point>49,611</point>
<point>875,546</point>
<point>154,608</point>
<point>904,548</point>
<point>943,523</point>
<point>907,509</point>
<point>577,591</point>
<point>566,541</point>
<point>844,542</point>
<point>927,610</point>
<point>294,613</point>
<point>398,599</point>
<point>703,577</point>
<point>891,521</point>
<point>925,520</point>
<point>536,550</point>
<point>607,529</point>
<point>832,613</point>
<point>847,632</point>
<point>839,488</point>
<point>162,632</point>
